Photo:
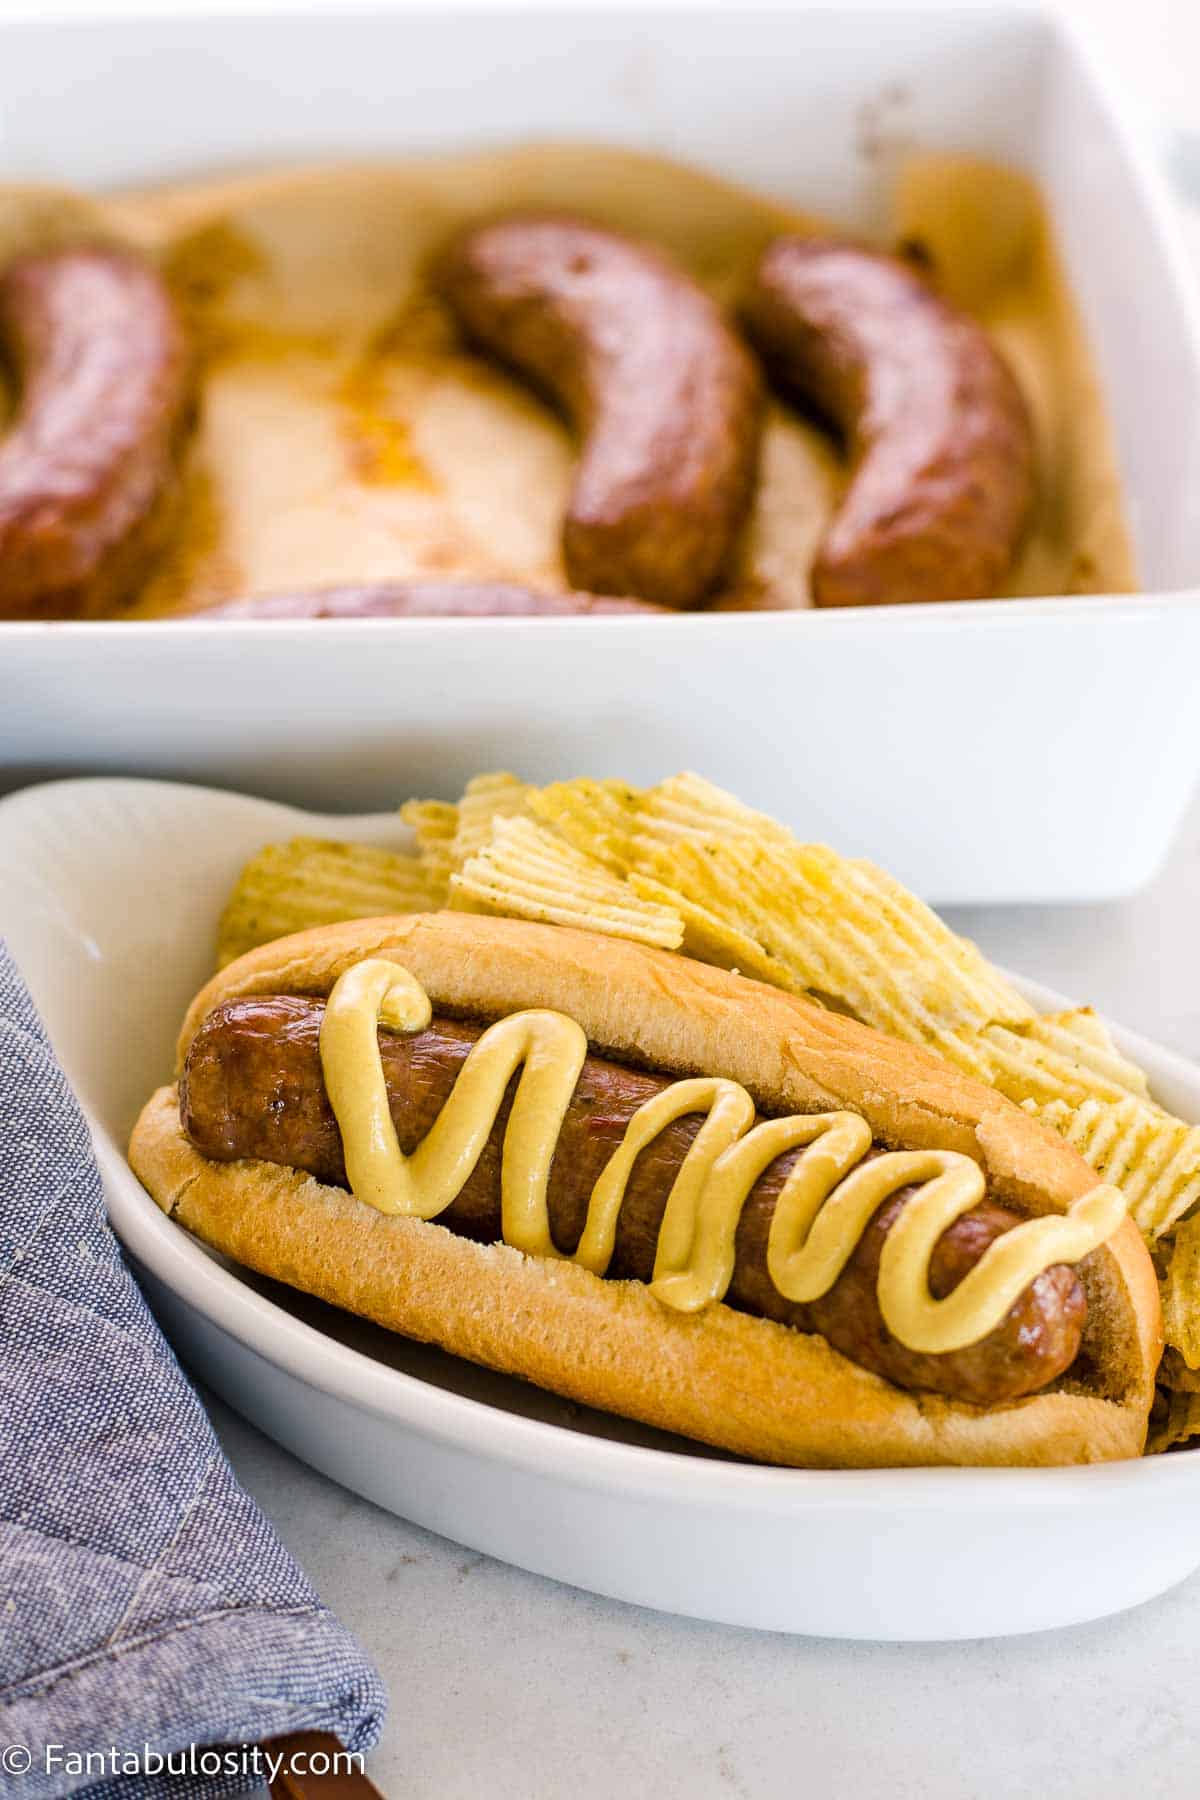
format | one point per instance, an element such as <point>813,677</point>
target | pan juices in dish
<point>348,435</point>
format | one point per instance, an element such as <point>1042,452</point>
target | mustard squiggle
<point>824,1206</point>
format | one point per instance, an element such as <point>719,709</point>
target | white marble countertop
<point>509,1686</point>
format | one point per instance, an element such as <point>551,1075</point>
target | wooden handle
<point>321,1747</point>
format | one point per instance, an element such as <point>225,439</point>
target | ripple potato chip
<point>434,824</point>
<point>317,881</point>
<point>1061,1056</point>
<point>1153,1158</point>
<point>526,872</point>
<point>1181,1294</point>
<point>598,818</point>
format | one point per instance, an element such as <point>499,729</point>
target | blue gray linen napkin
<point>144,1599</point>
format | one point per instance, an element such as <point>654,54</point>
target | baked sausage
<point>938,436</point>
<point>665,398</point>
<point>252,1087</point>
<point>101,366</point>
<point>424,600</point>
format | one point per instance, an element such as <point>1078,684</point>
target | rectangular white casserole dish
<point>1012,750</point>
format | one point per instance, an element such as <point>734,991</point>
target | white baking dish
<point>108,894</point>
<point>998,751</point>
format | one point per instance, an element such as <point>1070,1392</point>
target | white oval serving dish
<point>109,892</point>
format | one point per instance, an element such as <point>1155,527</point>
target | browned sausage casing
<point>425,600</point>
<point>100,361</point>
<point>941,447</point>
<point>641,360</point>
<point>253,1087</point>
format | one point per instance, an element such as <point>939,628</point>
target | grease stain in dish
<point>203,269</point>
<point>378,438</point>
<point>378,441</point>
<point>199,571</point>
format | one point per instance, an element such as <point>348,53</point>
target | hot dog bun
<point>745,1384</point>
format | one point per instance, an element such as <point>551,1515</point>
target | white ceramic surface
<point>108,896</point>
<point>922,734</point>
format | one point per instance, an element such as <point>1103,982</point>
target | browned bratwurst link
<point>424,600</point>
<point>644,365</point>
<point>101,364</point>
<point>941,447</point>
<point>253,1087</point>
